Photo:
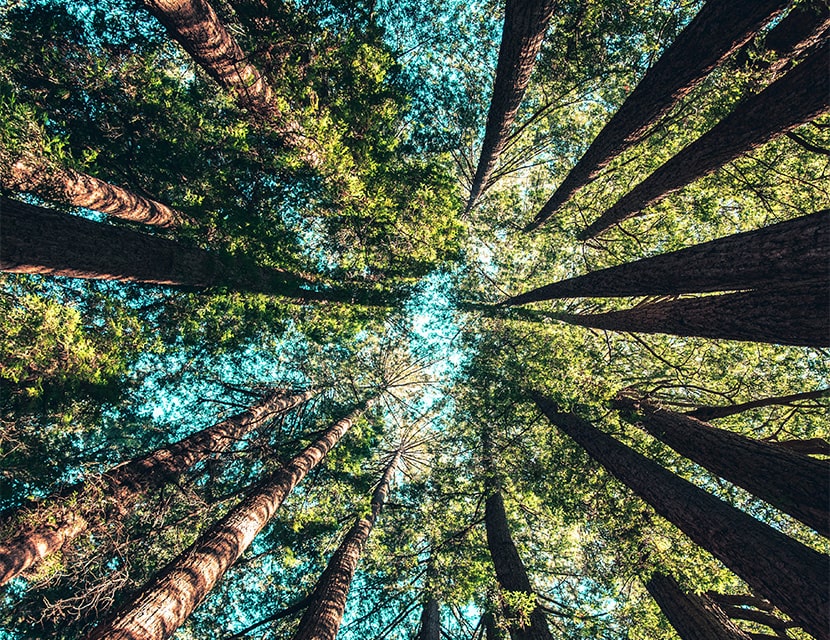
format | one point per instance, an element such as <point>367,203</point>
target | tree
<point>717,30</point>
<point>430,620</point>
<point>709,413</point>
<point>753,122</point>
<point>172,595</point>
<point>325,612</point>
<point>802,28</point>
<point>783,254</point>
<point>525,23</point>
<point>790,481</point>
<point>122,486</point>
<point>791,575</point>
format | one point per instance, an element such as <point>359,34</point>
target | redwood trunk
<point>525,24</point>
<point>694,617</point>
<point>792,482</point>
<point>780,255</point>
<point>802,28</point>
<point>708,413</point>
<point>798,97</point>
<point>720,28</point>
<point>768,620</point>
<point>172,595</point>
<point>798,315</point>
<point>430,620</point>
<point>123,486</point>
<point>789,574</point>
<point>322,618</point>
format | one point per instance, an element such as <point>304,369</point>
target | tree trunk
<point>694,617</point>
<point>525,24</point>
<point>709,413</point>
<point>780,255</point>
<point>491,631</point>
<point>796,98</point>
<point>740,600</point>
<point>802,28</point>
<point>719,29</point>
<point>322,618</point>
<point>811,446</point>
<point>172,595</point>
<point>792,482</point>
<point>789,574</point>
<point>124,485</point>
<point>796,315</point>
<point>430,620</point>
<point>768,620</point>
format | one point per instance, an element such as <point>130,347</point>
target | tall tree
<point>801,95</point>
<point>796,315</point>
<point>792,482</point>
<point>782,254</point>
<point>172,595</point>
<point>430,620</point>
<point>789,574</point>
<point>694,616</point>
<point>69,514</point>
<point>719,29</point>
<point>525,24</point>
<point>325,612</point>
<point>711,412</point>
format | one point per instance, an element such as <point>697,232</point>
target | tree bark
<point>789,574</point>
<point>719,29</point>
<point>124,485</point>
<point>768,620</point>
<point>802,28</point>
<point>796,316</point>
<point>740,600</point>
<point>525,24</point>
<point>694,617</point>
<point>779,255</point>
<point>172,595</point>
<point>811,446</point>
<point>322,618</point>
<point>798,97</point>
<point>792,482</point>
<point>709,413</point>
<point>430,620</point>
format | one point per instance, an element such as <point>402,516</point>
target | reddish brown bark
<point>120,488</point>
<point>719,29</point>
<point>322,618</point>
<point>802,28</point>
<point>792,482</point>
<point>172,595</point>
<point>798,97</point>
<point>707,413</point>
<point>525,24</point>
<point>694,617</point>
<point>789,574</point>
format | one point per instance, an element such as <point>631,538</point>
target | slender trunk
<point>780,255</point>
<point>751,615</point>
<point>694,617</point>
<point>322,618</point>
<point>70,514</point>
<point>792,482</point>
<point>172,595</point>
<point>525,24</point>
<point>789,574</point>
<point>811,446</point>
<point>719,29</point>
<point>796,315</point>
<point>430,620</point>
<point>796,98</point>
<point>491,631</point>
<point>740,600</point>
<point>709,413</point>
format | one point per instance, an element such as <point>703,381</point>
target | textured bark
<point>720,28</point>
<point>172,595</point>
<point>751,615</point>
<point>707,413</point>
<point>794,577</point>
<point>802,28</point>
<point>792,482</point>
<point>811,446</point>
<point>525,24</point>
<point>123,486</point>
<point>322,618</point>
<point>430,620</point>
<point>798,315</point>
<point>798,97</point>
<point>694,617</point>
<point>779,255</point>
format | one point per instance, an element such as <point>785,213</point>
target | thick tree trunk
<point>798,97</point>
<point>525,24</point>
<point>430,620</point>
<point>172,595</point>
<point>322,618</point>
<point>798,315</point>
<point>792,482</point>
<point>510,570</point>
<point>708,413</point>
<point>789,574</point>
<point>719,29</point>
<point>694,617</point>
<point>123,486</point>
<point>780,255</point>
